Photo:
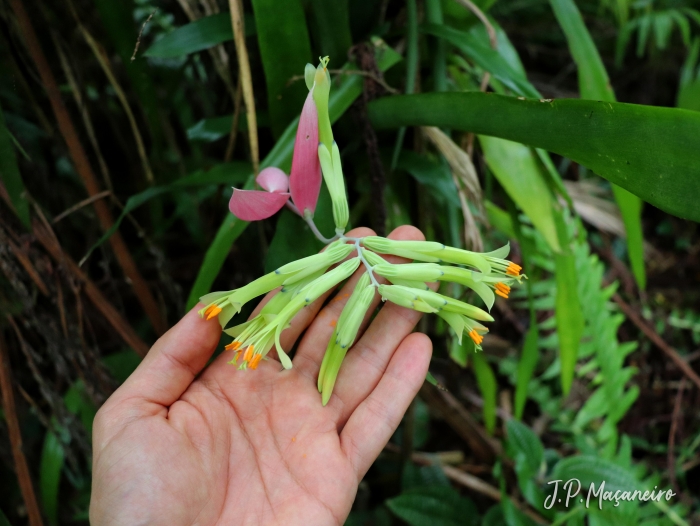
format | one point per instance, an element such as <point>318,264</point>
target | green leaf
<point>525,447</point>
<point>526,368</point>
<point>10,176</point>
<point>595,84</point>
<point>284,45</point>
<point>196,36</point>
<point>488,387</point>
<point>332,27</point>
<point>342,96</point>
<point>594,469</point>
<point>568,316</point>
<point>428,506</point>
<point>649,151</point>
<point>487,58</point>
<point>414,476</point>
<point>434,175</point>
<point>518,170</point>
<point>52,457</point>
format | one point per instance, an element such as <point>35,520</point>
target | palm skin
<point>178,447</point>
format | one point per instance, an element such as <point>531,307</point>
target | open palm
<point>177,445</point>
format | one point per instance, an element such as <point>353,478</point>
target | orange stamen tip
<point>255,361</point>
<point>248,353</point>
<point>512,272</point>
<point>501,293</point>
<point>233,346</point>
<point>212,311</point>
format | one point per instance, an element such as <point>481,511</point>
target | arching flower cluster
<point>302,282</point>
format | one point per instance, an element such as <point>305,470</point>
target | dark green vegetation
<point>587,372</point>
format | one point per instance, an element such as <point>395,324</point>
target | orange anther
<point>511,271</point>
<point>212,311</point>
<point>248,353</point>
<point>502,286</point>
<point>501,293</point>
<point>234,345</point>
<point>255,361</point>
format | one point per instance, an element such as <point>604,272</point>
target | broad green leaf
<point>594,469</point>
<point>10,176</point>
<point>525,447</point>
<point>431,505</point>
<point>284,45</point>
<point>52,457</point>
<point>197,36</point>
<point>595,84</point>
<point>518,170</point>
<point>568,316</point>
<point>121,364</point>
<point>215,128</point>
<point>414,476</point>
<point>488,387</point>
<point>332,27</point>
<point>649,151</point>
<point>343,94</point>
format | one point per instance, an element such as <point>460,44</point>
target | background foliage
<point>118,151</point>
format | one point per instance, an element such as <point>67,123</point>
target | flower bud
<point>410,271</point>
<point>333,175</point>
<point>300,269</point>
<point>344,335</point>
<point>406,297</point>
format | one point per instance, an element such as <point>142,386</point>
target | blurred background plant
<point>125,124</point>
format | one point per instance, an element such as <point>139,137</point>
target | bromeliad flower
<point>304,281</point>
<point>303,184</point>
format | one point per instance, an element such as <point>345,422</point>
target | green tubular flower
<point>311,293</point>
<point>225,305</point>
<point>328,152</point>
<point>461,324</point>
<point>410,298</point>
<point>302,268</point>
<point>416,250</point>
<point>344,335</point>
<point>412,271</point>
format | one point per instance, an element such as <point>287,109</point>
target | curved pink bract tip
<point>305,179</point>
<point>254,205</point>
<point>273,179</point>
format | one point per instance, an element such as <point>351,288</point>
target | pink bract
<point>254,205</point>
<point>273,180</point>
<point>305,179</point>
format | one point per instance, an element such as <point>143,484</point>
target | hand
<point>176,447</point>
